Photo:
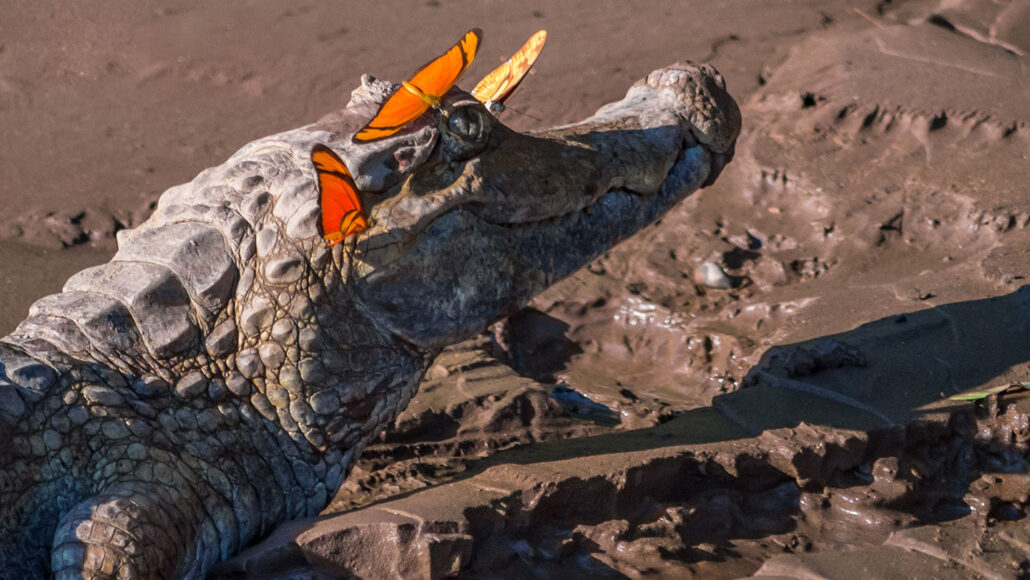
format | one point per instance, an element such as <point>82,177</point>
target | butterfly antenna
<point>514,110</point>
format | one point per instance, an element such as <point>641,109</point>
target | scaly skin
<point>223,371</point>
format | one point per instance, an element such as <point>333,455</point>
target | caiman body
<point>221,373</point>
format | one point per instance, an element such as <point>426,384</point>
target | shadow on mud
<point>842,441</point>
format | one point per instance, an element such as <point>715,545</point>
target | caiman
<point>223,371</point>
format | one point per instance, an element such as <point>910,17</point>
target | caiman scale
<point>222,372</point>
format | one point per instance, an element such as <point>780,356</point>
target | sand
<point>872,227</point>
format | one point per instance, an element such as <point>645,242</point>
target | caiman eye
<point>467,123</point>
<point>467,131</point>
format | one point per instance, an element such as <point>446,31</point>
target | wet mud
<point>756,386</point>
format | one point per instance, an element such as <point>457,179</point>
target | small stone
<point>711,276</point>
<point>438,372</point>
<point>249,363</point>
<point>325,402</point>
<point>272,355</point>
<point>191,385</point>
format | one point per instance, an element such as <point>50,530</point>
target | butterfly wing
<point>400,109</point>
<point>434,79</point>
<point>343,214</point>
<point>497,86</point>
<point>438,76</point>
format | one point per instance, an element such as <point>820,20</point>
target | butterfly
<point>343,214</point>
<point>424,90</point>
<point>497,86</point>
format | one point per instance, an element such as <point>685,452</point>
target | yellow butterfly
<point>497,86</point>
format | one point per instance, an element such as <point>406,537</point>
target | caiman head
<point>470,220</point>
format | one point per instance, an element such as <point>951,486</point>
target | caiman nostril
<point>404,157</point>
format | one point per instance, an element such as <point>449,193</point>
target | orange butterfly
<point>424,90</point>
<point>497,86</point>
<point>343,214</point>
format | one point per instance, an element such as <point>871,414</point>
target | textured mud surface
<point>756,386</point>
